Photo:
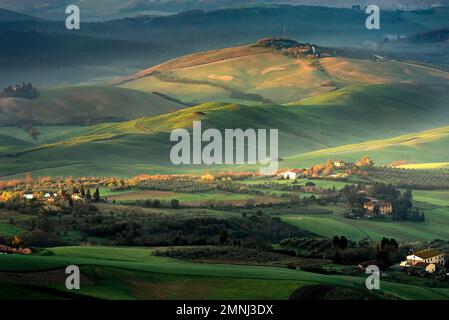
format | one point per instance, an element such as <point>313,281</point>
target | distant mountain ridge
<point>161,38</point>
<point>112,9</point>
<point>8,16</point>
<point>434,36</point>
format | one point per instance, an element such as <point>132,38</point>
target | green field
<point>186,198</point>
<point>143,145</point>
<point>8,230</point>
<point>325,184</point>
<point>435,165</point>
<point>437,197</point>
<point>334,108</point>
<point>424,147</point>
<point>329,225</point>
<point>122,273</point>
<point>67,104</point>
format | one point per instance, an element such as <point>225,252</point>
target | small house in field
<point>385,207</point>
<point>50,197</point>
<point>369,206</point>
<point>428,260</point>
<point>28,196</point>
<point>289,174</point>
<point>77,197</point>
<point>339,164</point>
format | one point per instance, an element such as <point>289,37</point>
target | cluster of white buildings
<point>428,260</point>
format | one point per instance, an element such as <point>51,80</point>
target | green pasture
<point>184,279</point>
<point>329,225</point>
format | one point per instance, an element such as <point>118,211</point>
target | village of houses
<point>340,169</point>
<point>421,263</point>
<point>62,198</point>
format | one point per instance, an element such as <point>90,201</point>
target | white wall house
<point>427,257</point>
<point>339,164</point>
<point>28,196</point>
<point>289,174</point>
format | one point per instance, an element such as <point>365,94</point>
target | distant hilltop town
<point>292,48</point>
<point>24,90</point>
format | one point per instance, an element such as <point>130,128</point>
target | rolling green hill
<point>84,104</point>
<point>253,73</point>
<point>308,132</point>
<point>430,148</point>
<point>324,108</point>
<point>327,225</point>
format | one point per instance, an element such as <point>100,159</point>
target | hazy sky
<point>110,9</point>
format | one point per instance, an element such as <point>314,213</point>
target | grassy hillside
<point>310,131</point>
<point>79,104</point>
<point>231,73</point>
<point>421,147</point>
<point>123,273</point>
<point>328,225</point>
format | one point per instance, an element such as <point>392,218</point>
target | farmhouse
<point>77,197</point>
<point>385,207</point>
<point>427,260</point>
<point>339,164</point>
<point>369,206</point>
<point>50,195</point>
<point>28,196</point>
<point>289,174</point>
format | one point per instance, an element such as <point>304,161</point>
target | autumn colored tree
<point>16,242</point>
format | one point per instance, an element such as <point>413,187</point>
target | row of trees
<point>344,251</point>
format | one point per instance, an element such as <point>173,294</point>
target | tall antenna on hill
<point>285,32</point>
